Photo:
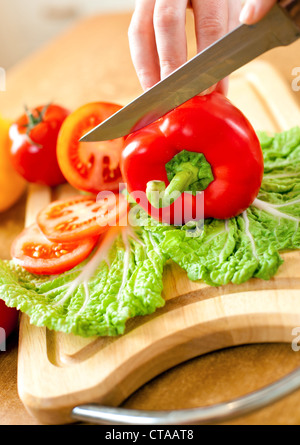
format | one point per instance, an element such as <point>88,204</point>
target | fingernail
<point>247,12</point>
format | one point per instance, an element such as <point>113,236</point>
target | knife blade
<point>245,43</point>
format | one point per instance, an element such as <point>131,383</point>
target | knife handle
<point>292,7</point>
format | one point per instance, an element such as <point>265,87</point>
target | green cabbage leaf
<point>122,279</point>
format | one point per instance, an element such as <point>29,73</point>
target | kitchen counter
<point>93,60</point>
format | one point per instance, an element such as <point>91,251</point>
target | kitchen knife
<point>280,27</point>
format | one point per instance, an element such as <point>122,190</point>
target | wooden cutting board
<point>56,372</point>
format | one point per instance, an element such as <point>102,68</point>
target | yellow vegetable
<point>12,185</point>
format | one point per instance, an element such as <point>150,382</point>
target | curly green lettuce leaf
<point>122,279</point>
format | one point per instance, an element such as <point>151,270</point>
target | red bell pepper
<point>205,146</point>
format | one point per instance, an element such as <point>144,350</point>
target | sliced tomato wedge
<point>89,166</point>
<point>35,253</point>
<point>81,217</point>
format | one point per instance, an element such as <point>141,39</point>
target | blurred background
<point>26,25</point>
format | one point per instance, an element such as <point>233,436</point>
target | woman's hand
<point>157,35</point>
<point>255,10</point>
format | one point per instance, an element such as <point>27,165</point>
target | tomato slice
<point>89,166</point>
<point>81,217</point>
<point>35,253</point>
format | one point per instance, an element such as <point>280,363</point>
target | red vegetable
<point>205,144</point>
<point>34,138</point>
<point>78,218</point>
<point>90,166</point>
<point>8,321</point>
<point>33,251</point>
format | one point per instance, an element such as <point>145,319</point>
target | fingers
<point>157,39</point>
<point>157,34</point>
<point>234,8</point>
<point>211,22</point>
<point>143,45</point>
<point>255,10</point>
<point>169,26</point>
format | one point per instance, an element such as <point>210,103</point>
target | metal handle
<point>292,7</point>
<point>198,416</point>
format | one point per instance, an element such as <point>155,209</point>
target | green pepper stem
<point>159,196</point>
<point>154,192</point>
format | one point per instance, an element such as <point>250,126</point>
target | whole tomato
<point>34,142</point>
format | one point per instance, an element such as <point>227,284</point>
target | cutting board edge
<point>222,332</point>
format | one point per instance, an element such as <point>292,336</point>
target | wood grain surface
<point>78,67</point>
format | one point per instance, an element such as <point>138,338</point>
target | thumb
<point>254,10</point>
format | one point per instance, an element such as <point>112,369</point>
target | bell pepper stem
<point>154,192</point>
<point>159,196</point>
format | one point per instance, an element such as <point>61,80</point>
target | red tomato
<point>209,125</point>
<point>34,141</point>
<point>8,320</point>
<point>81,217</point>
<point>89,166</point>
<point>35,253</point>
